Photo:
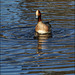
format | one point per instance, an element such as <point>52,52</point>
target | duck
<point>42,28</point>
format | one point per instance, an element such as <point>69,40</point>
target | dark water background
<point>21,54</point>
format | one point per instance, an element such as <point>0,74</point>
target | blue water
<point>21,54</point>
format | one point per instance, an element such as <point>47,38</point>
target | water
<point>21,54</point>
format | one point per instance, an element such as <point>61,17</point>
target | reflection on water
<point>21,54</point>
<point>42,40</point>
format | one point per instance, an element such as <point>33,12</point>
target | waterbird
<point>41,27</point>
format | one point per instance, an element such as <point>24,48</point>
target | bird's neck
<point>39,18</point>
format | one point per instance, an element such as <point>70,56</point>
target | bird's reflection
<point>42,40</point>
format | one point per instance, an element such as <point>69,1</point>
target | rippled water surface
<point>21,54</point>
